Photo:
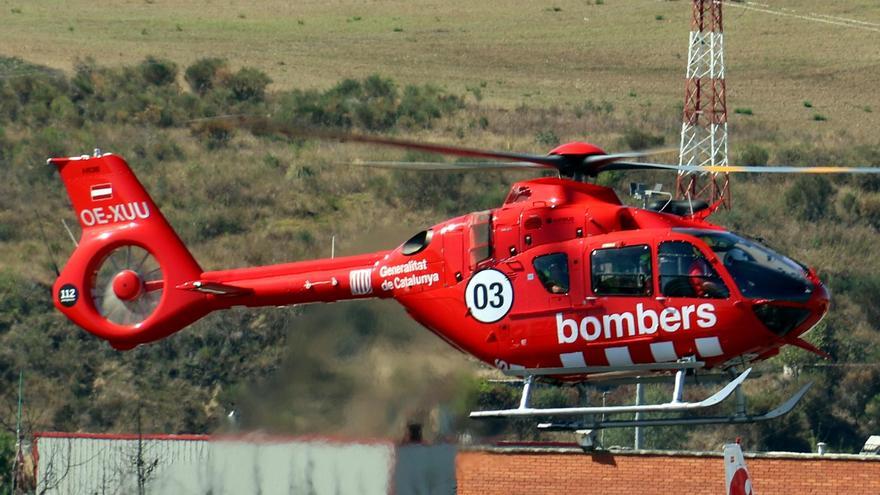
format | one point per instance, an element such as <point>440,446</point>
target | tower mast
<point>704,120</point>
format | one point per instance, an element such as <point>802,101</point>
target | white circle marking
<point>489,295</point>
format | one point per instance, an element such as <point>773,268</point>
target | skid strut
<point>675,404</point>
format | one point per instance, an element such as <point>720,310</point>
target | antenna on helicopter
<point>640,191</point>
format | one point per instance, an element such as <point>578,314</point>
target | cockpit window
<point>622,271</point>
<point>758,271</point>
<point>552,270</point>
<point>685,272</point>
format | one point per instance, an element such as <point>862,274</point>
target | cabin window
<point>480,237</point>
<point>685,272</point>
<point>624,271</point>
<point>552,271</point>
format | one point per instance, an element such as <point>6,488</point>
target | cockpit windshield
<point>758,271</point>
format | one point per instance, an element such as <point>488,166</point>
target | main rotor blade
<point>302,132</point>
<point>743,168</point>
<point>616,157</point>
<point>454,166</point>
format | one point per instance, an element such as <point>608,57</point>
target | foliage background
<point>248,196</point>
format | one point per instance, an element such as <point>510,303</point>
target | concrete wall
<point>98,464</point>
<point>533,471</point>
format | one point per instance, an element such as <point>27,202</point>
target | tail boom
<point>324,280</point>
<point>131,280</point>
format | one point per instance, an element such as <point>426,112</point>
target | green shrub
<point>794,155</point>
<point>63,110</point>
<point>248,84</point>
<point>637,139</point>
<point>420,105</point>
<point>214,133</point>
<point>204,74</point>
<point>850,204</point>
<point>20,298</point>
<point>211,222</point>
<point>809,197</point>
<point>374,104</point>
<point>158,72</point>
<point>743,111</point>
<point>870,211</point>
<point>5,146</point>
<point>547,138</point>
<point>754,155</point>
<point>7,455</point>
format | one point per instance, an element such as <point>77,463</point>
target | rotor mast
<point>704,120</point>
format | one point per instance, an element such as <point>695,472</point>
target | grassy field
<point>557,52</point>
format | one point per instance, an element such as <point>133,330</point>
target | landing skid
<point>738,418</point>
<point>675,405</point>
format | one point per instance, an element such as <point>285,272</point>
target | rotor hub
<point>127,285</point>
<point>577,148</point>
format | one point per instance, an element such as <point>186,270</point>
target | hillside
<point>629,52</point>
<point>241,199</point>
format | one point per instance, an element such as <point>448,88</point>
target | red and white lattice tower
<point>704,123</point>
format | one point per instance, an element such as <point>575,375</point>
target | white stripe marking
<point>101,191</point>
<point>663,352</point>
<point>618,356</point>
<point>361,282</point>
<point>709,347</point>
<point>573,360</point>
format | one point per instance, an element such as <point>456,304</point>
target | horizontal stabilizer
<point>215,288</point>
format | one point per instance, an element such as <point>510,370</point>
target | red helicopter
<point>562,282</point>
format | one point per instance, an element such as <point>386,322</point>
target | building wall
<point>94,464</point>
<point>529,471</point>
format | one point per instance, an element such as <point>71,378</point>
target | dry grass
<point>521,52</point>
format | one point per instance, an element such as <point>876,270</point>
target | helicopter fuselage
<point>562,275</point>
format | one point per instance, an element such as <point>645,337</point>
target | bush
<point>870,210</point>
<point>7,458</point>
<point>637,139</point>
<point>158,72</point>
<point>420,105</point>
<point>214,133</point>
<point>754,155</point>
<point>374,104</point>
<point>248,84</point>
<point>809,197</point>
<point>213,222</point>
<point>5,146</point>
<point>204,74</point>
<point>547,138</point>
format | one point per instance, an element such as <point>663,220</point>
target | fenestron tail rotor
<point>128,285</point>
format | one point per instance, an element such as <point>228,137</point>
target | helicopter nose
<point>821,299</point>
<point>793,318</point>
<point>817,306</point>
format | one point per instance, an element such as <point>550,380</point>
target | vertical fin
<point>738,481</point>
